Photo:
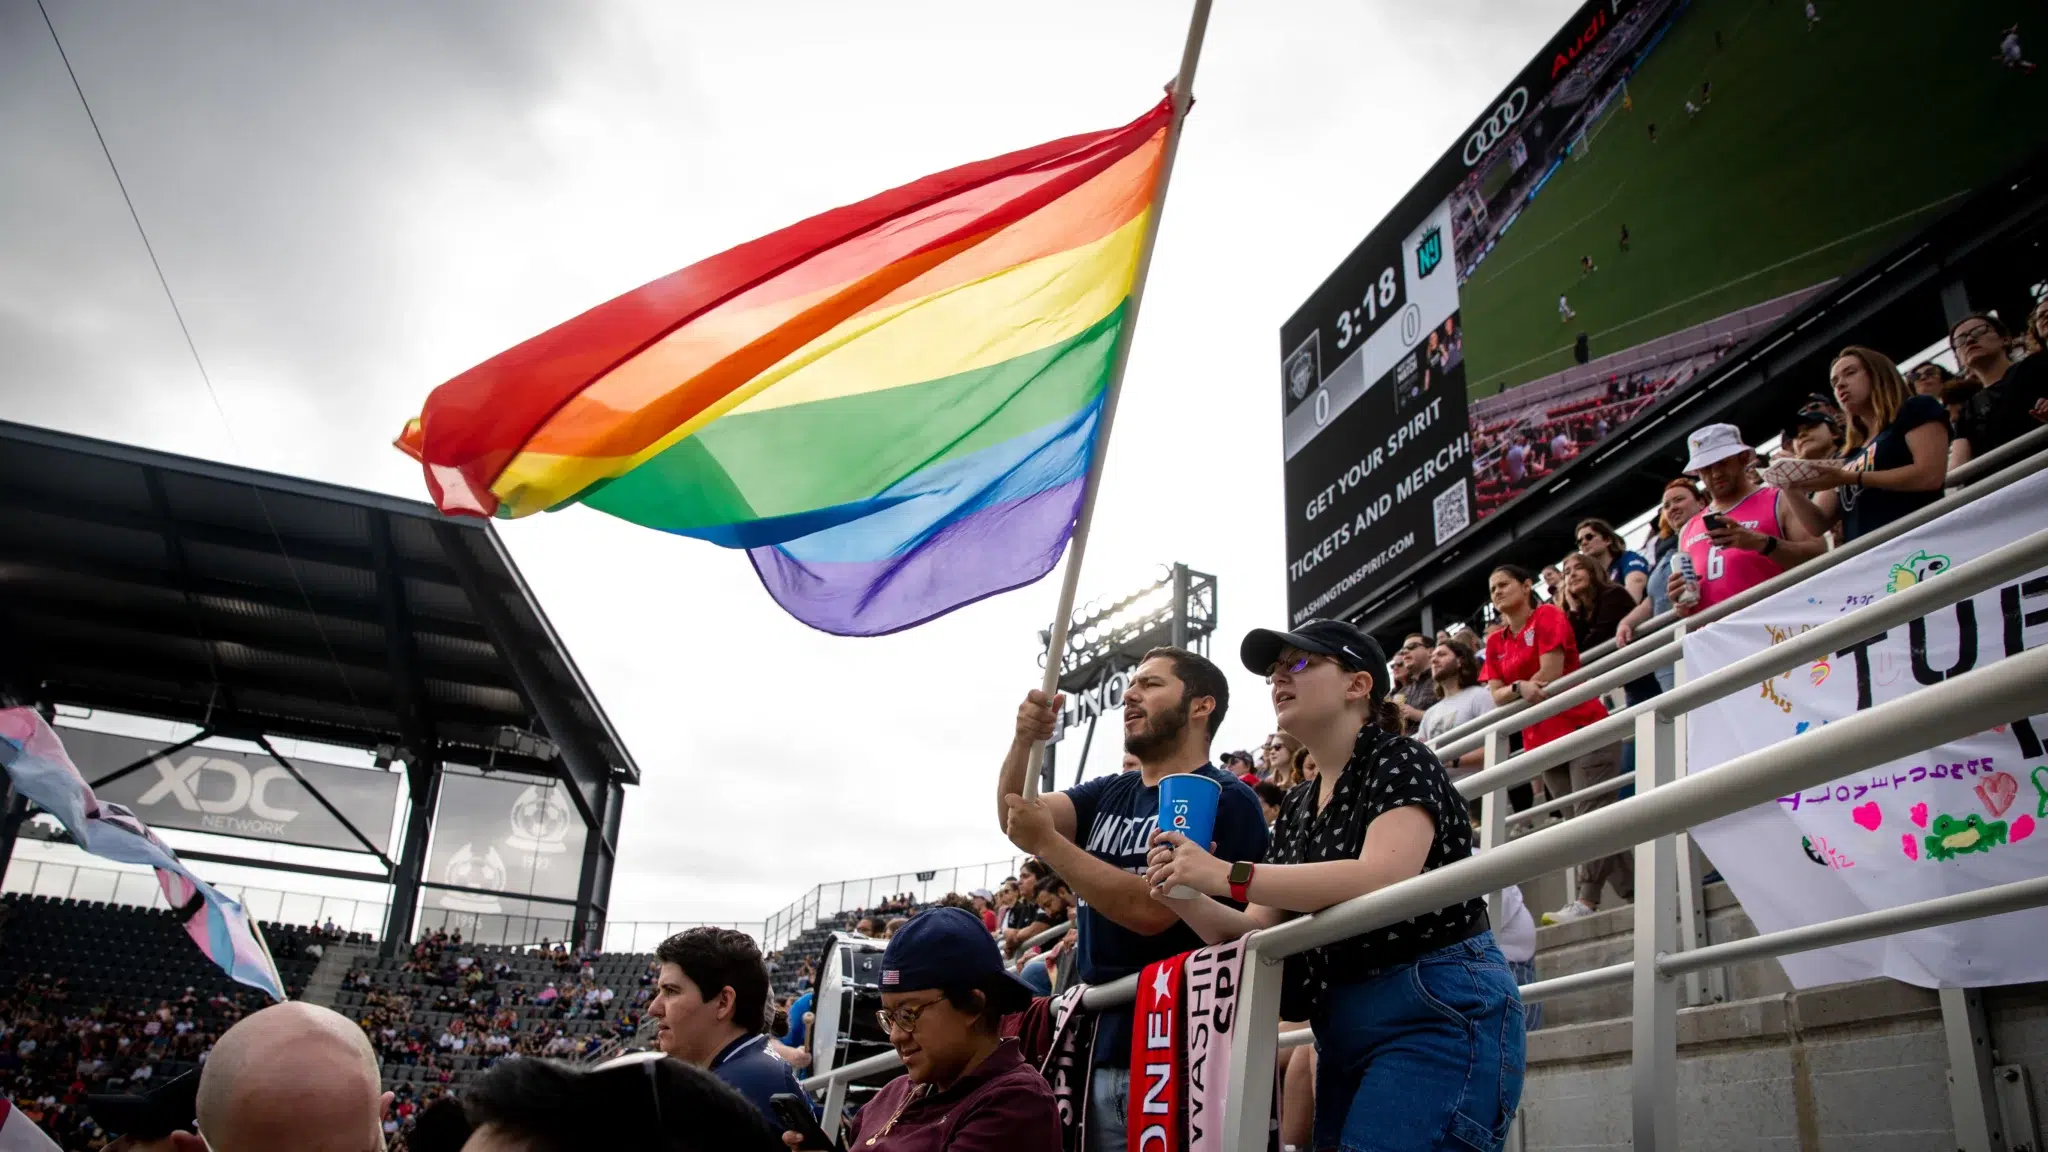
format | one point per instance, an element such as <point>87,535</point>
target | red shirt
<point>1512,656</point>
<point>988,919</point>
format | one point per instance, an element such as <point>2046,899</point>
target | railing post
<point>1493,816</point>
<point>1971,1097</point>
<point>1254,1051</point>
<point>1711,986</point>
<point>1654,1071</point>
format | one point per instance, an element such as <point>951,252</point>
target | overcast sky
<point>355,202</point>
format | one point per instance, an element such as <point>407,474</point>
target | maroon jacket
<point>1002,1106</point>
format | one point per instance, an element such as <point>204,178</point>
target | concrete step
<point>1608,937</point>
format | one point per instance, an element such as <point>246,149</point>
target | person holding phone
<point>1746,534</point>
<point>964,1087</point>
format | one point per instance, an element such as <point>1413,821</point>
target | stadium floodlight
<point>1107,637</point>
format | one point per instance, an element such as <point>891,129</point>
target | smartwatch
<point>1241,880</point>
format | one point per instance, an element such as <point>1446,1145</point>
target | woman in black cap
<point>964,1088</point>
<point>1418,1025</point>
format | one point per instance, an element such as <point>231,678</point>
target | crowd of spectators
<point>1514,450</point>
<point>1290,832</point>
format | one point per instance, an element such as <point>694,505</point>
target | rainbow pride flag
<point>892,406</point>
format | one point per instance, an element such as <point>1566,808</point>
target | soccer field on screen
<point>1821,148</point>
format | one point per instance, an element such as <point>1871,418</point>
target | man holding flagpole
<point>1095,836</point>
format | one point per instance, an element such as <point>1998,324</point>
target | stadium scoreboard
<point>1376,427</point>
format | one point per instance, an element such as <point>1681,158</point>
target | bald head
<point>292,1076</point>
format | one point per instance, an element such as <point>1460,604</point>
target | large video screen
<point>1667,181</point>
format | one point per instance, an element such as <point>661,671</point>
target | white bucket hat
<point>1713,444</point>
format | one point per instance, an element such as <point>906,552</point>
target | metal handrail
<point>1575,688</point>
<point>2014,686</point>
<point>1985,572</point>
<point>1999,457</point>
<point>1611,784</point>
<point>1051,934</point>
<point>1964,705</point>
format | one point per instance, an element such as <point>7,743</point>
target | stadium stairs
<point>1861,1066</point>
<point>324,986</point>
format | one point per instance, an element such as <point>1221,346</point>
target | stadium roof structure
<point>244,601</point>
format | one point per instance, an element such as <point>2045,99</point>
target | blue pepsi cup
<point>1187,805</point>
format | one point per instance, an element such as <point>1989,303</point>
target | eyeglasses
<point>905,1017</point>
<point>1972,335</point>
<point>1589,538</point>
<point>1293,667</point>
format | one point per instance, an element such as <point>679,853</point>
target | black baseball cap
<point>1347,644</point>
<point>171,1106</point>
<point>948,948</point>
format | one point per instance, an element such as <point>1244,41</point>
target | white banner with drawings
<point>1933,822</point>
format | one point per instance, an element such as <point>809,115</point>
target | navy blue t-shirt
<point>749,1068</point>
<point>1865,510</point>
<point>1114,818</point>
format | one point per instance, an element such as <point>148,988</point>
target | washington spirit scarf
<point>1070,1066</point>
<point>1180,1050</point>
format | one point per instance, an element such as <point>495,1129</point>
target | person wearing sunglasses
<point>1418,1025</point>
<point>2012,399</point>
<point>644,1102</point>
<point>964,1087</point>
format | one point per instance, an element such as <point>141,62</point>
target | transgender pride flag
<point>36,763</point>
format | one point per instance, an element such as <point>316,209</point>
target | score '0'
<point>1411,325</point>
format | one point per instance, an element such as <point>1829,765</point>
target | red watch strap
<point>1241,892</point>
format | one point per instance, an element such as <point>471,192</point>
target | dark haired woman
<point>1532,647</point>
<point>644,1102</point>
<point>964,1088</point>
<point>1595,605</point>
<point>1418,1026</point>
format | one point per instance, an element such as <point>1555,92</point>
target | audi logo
<point>1495,126</point>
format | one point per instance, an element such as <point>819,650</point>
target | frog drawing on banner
<point>1913,569</point>
<point>1951,837</point>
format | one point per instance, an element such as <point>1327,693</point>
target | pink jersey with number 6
<point>1725,572</point>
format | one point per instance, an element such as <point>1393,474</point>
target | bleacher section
<point>435,1020</point>
<point>97,997</point>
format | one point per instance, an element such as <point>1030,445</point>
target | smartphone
<point>1714,521</point>
<point>795,1116</point>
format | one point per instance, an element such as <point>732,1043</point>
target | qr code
<point>1453,512</point>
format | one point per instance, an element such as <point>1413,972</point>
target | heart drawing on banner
<point>1869,816</point>
<point>1911,846</point>
<point>2021,829</point>
<point>1919,814</point>
<point>1998,791</point>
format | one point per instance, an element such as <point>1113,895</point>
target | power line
<point>206,377</point>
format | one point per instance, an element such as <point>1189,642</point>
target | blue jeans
<point>1421,1057</point>
<point>1109,1110</point>
<point>1035,975</point>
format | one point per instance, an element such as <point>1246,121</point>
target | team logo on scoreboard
<point>1429,252</point>
<point>1303,368</point>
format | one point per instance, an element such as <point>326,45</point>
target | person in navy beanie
<point>964,1087</point>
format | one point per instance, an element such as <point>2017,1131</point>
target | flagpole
<point>1077,548</point>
